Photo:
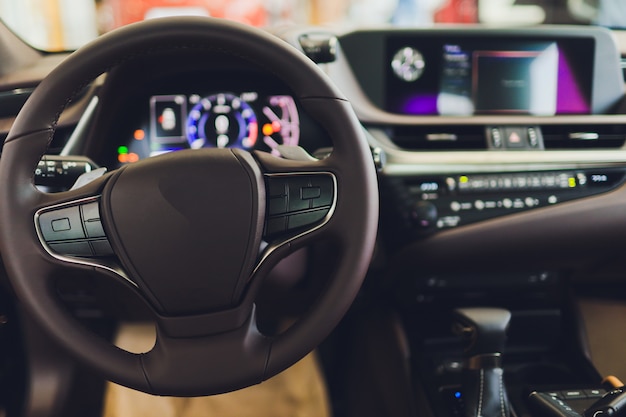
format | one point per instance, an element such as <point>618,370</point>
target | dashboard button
<point>594,393</point>
<point>533,138</point>
<point>573,394</point>
<point>424,215</point>
<point>516,137</point>
<point>496,137</point>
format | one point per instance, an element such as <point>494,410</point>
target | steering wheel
<point>192,232</point>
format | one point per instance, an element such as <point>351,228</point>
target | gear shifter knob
<point>483,386</point>
<point>484,327</point>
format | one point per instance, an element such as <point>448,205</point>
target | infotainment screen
<point>468,76</point>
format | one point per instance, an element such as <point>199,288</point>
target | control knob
<point>423,215</point>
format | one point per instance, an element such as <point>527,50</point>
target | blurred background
<point>56,25</point>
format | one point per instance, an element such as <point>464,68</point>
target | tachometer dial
<point>283,126</point>
<point>222,121</point>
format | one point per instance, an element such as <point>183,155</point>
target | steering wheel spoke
<point>208,364</point>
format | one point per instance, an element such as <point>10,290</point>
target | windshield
<point>57,25</point>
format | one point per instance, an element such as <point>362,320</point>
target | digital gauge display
<point>245,120</point>
<point>221,121</point>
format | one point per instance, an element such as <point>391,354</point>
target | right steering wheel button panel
<point>297,202</point>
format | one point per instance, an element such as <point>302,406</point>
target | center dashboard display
<point>474,75</point>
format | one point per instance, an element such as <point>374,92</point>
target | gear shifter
<point>483,387</point>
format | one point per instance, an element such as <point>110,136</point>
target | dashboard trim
<point>81,127</point>
<point>401,162</point>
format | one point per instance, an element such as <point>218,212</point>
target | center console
<point>501,168</point>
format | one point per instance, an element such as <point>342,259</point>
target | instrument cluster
<point>246,119</point>
<point>222,108</point>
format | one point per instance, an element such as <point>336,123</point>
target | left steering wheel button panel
<point>75,230</point>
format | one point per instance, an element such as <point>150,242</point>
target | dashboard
<point>466,124</point>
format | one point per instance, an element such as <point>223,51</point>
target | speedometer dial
<point>222,121</point>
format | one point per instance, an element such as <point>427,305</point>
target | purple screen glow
<point>570,98</point>
<point>537,78</point>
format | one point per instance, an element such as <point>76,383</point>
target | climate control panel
<point>427,204</point>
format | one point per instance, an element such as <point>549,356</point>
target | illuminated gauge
<point>283,124</point>
<point>222,121</point>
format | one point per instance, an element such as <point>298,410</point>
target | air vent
<point>434,138</point>
<point>584,136</point>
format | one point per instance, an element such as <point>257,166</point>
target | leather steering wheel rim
<point>196,354</point>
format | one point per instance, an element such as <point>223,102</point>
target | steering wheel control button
<point>276,225</point>
<point>91,220</point>
<point>311,193</point>
<point>277,193</point>
<point>277,205</point>
<point>75,230</point>
<point>327,192</point>
<point>80,248</point>
<point>305,219</point>
<point>297,201</point>
<point>61,224</point>
<point>101,247</point>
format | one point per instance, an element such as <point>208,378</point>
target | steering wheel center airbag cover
<point>186,226</point>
